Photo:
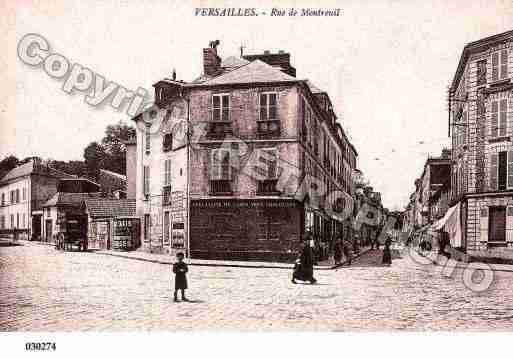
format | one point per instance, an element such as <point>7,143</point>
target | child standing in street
<point>180,269</point>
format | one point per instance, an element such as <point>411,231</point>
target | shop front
<point>246,229</point>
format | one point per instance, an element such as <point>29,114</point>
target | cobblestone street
<point>42,289</point>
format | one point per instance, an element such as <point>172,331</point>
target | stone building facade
<point>265,152</point>
<point>482,133</point>
<point>23,191</point>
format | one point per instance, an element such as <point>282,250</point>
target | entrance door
<point>36,227</point>
<point>497,224</point>
<point>48,228</point>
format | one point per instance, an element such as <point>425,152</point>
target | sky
<point>385,64</point>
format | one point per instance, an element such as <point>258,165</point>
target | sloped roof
<point>110,207</point>
<point>33,168</point>
<point>254,72</point>
<point>114,174</point>
<point>233,61</point>
<point>70,199</point>
<point>314,89</point>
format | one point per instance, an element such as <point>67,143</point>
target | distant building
<point>481,97</point>
<point>23,191</point>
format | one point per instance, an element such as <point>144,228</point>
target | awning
<point>441,222</point>
<point>451,224</point>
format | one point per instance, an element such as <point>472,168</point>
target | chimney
<point>279,60</point>
<point>211,62</point>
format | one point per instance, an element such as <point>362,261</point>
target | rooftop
<point>102,208</point>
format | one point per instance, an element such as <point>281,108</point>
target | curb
<point>262,266</point>
<point>463,265</point>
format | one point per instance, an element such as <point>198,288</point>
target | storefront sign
<point>242,203</point>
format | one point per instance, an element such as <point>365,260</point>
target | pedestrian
<point>347,249</point>
<point>180,269</point>
<point>303,270</point>
<point>337,253</point>
<point>387,255</point>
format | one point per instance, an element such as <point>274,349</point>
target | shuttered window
<point>504,64</point>
<point>147,138</point>
<point>494,159</point>
<point>495,66</point>
<point>146,180</point>
<point>500,65</point>
<point>167,172</point>
<point>495,118</point>
<point>503,117</point>
<point>502,171</point>
<point>510,169</point>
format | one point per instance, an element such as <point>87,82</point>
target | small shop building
<point>112,223</point>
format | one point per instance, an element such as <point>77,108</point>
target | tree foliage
<point>109,153</point>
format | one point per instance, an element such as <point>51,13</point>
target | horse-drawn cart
<point>72,232</point>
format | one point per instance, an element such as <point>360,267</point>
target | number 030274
<point>40,346</point>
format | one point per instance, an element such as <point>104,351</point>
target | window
<point>167,172</point>
<point>167,195</point>
<point>268,157</point>
<point>221,107</point>
<point>23,222</point>
<point>220,171</point>
<point>481,72</point>
<point>497,224</point>
<point>146,180</point>
<point>500,65</point>
<point>147,225</point>
<point>499,117</point>
<point>147,138</point>
<point>268,106</point>
<point>304,126</point>
<point>17,220</point>
<point>166,228</point>
<point>220,164</point>
<point>167,143</point>
<point>12,221</point>
<point>501,170</point>
<point>3,199</point>
<point>24,194</point>
<point>2,222</point>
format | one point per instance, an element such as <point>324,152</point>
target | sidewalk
<point>463,265</point>
<point>167,259</point>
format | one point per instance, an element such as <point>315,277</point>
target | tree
<point>7,164</point>
<point>95,157</point>
<point>114,145</point>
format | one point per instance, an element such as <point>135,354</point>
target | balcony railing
<point>267,188</point>
<point>268,129</point>
<point>219,129</point>
<point>220,187</point>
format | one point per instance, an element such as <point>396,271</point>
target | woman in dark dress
<point>180,269</point>
<point>387,256</point>
<point>304,269</point>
